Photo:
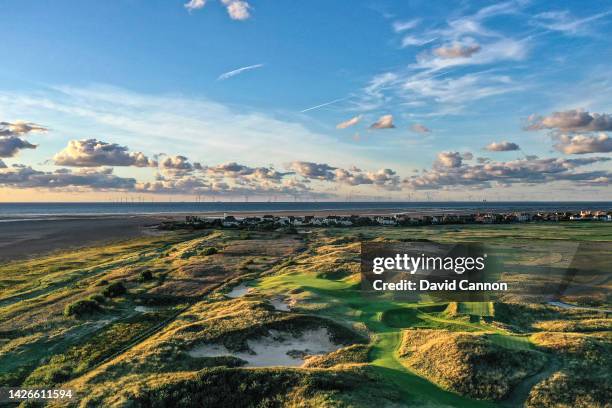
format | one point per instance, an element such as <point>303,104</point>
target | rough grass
<point>354,354</point>
<point>467,363</point>
<point>320,276</point>
<point>584,378</point>
<point>267,387</point>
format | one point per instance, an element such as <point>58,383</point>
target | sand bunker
<point>145,309</point>
<point>238,291</point>
<point>280,304</point>
<point>276,349</point>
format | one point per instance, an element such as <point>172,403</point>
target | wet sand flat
<point>25,238</point>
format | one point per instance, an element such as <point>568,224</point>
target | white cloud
<point>384,122</point>
<point>448,172</point>
<point>237,9</point>
<point>20,176</point>
<point>96,153</point>
<point>20,128</point>
<point>195,4</point>
<point>574,120</point>
<point>457,51</point>
<point>583,144</point>
<point>399,26</point>
<point>411,40</point>
<point>348,123</point>
<point>563,21</point>
<point>420,128</point>
<point>502,147</point>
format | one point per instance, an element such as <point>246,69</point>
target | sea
<point>11,211</point>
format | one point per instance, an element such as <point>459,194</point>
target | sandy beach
<point>24,238</point>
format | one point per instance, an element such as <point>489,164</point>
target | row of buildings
<point>230,221</point>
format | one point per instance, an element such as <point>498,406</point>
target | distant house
<point>386,220</point>
<point>283,220</point>
<point>251,220</point>
<point>522,217</point>
<point>230,221</point>
<point>317,221</point>
<point>345,221</point>
<point>484,218</point>
<point>437,219</point>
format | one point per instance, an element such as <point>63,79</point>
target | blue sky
<point>111,81</point>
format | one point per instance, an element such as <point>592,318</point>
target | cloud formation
<point>583,144</point>
<point>19,128</point>
<point>384,122</point>
<point>310,170</point>
<point>348,123</point>
<point>503,146</point>
<point>450,173</point>
<point>11,145</point>
<point>195,4</point>
<point>2,165</point>
<point>383,178</point>
<point>400,26</point>
<point>20,176</point>
<point>246,174</point>
<point>238,71</point>
<point>457,51</point>
<point>565,23</point>
<point>96,153</point>
<point>237,9</point>
<point>449,160</point>
<point>420,128</point>
<point>575,120</point>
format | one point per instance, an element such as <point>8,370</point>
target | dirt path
<point>519,394</point>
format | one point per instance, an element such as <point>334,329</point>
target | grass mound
<point>467,363</point>
<point>354,354</point>
<point>267,387</point>
<point>586,325</point>
<point>584,378</point>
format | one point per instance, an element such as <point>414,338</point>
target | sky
<point>260,100</point>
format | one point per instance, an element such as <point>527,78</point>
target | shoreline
<point>28,238</point>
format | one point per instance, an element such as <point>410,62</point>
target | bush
<point>145,276</point>
<point>97,297</point>
<point>81,307</point>
<point>114,289</point>
<point>210,251</point>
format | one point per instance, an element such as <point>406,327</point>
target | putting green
<point>384,319</point>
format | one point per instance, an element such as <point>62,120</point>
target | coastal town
<point>270,221</point>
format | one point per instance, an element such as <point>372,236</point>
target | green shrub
<point>114,289</point>
<point>97,297</point>
<point>81,308</point>
<point>145,276</point>
<point>209,251</point>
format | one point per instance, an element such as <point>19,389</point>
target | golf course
<point>278,318</point>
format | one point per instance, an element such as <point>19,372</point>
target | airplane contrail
<point>238,71</point>
<point>322,105</point>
